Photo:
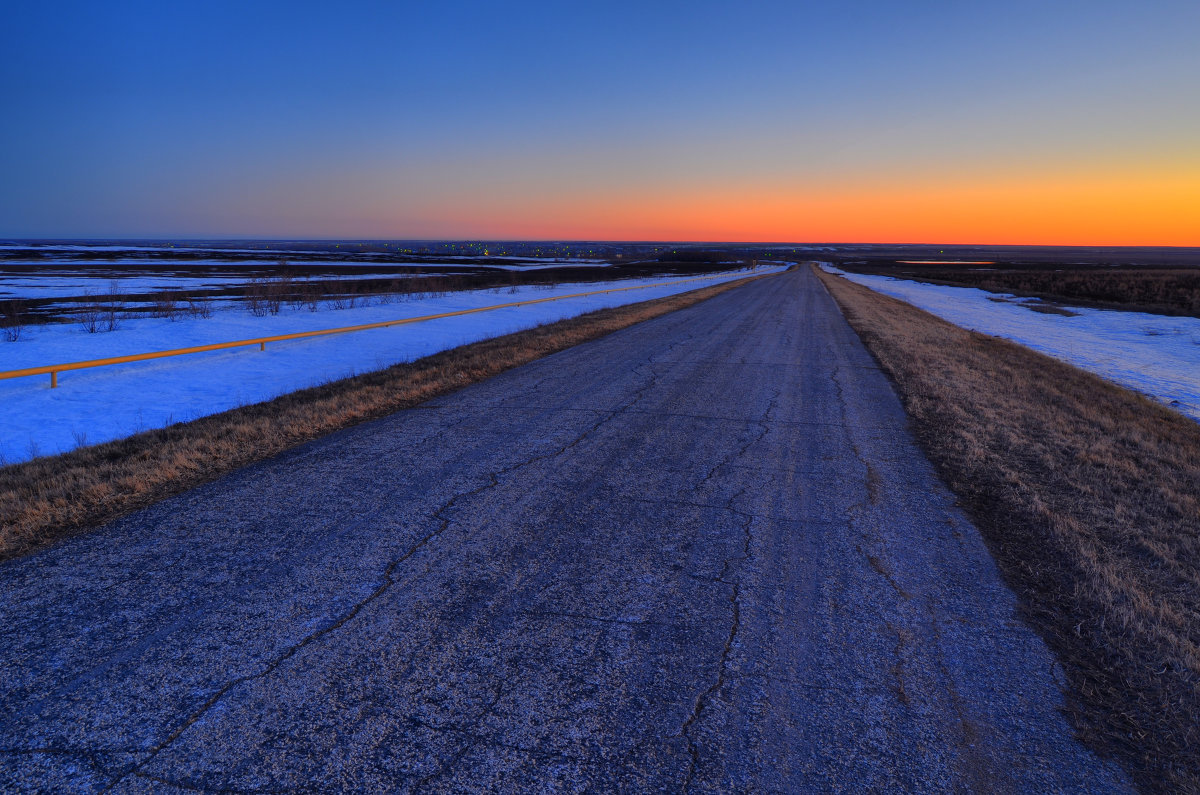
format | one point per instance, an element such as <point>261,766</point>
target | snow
<point>51,248</point>
<point>543,264</point>
<point>552,261</point>
<point>71,282</point>
<point>1156,355</point>
<point>105,403</point>
<point>515,258</point>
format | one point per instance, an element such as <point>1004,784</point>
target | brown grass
<point>1173,291</point>
<point>1089,498</point>
<point>47,499</point>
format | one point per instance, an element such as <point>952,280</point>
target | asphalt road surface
<point>702,553</point>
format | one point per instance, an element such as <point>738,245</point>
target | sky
<point>1049,122</point>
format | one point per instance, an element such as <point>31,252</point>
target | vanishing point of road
<point>702,553</point>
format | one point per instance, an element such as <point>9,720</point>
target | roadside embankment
<point>174,369</point>
<point>1087,496</point>
<point>46,499</point>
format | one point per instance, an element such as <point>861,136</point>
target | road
<point>702,553</point>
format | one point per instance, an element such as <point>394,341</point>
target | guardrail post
<point>262,346</point>
<point>53,379</point>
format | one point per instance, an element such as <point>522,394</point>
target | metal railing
<point>54,369</point>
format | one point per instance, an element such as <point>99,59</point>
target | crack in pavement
<point>903,639</point>
<point>871,478</point>
<point>977,768</point>
<point>651,382</point>
<point>474,742</point>
<point>764,429</point>
<point>882,570</point>
<point>388,580</point>
<point>185,785</point>
<point>853,692</point>
<point>734,511</point>
<point>873,487</point>
<point>705,697</point>
<point>629,622</point>
<point>735,593</point>
<point>855,515</point>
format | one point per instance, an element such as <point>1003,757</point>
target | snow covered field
<point>60,282</point>
<point>96,405</point>
<point>1156,355</point>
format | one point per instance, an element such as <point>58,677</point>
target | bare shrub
<point>303,294</point>
<point>198,307</point>
<point>266,295</point>
<point>90,314</point>
<point>98,314</point>
<point>255,294</point>
<point>164,304</point>
<point>12,320</point>
<point>346,300</point>
<point>279,289</point>
<point>110,315</point>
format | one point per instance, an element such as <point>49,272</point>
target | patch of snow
<point>68,283</point>
<point>1157,355</point>
<point>550,264</point>
<point>105,403</point>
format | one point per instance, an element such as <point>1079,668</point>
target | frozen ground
<point>1156,355</point>
<point>105,403</point>
<point>525,265</point>
<point>65,281</point>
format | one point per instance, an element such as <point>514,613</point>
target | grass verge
<point>1087,495</point>
<point>1167,291</point>
<point>47,499</point>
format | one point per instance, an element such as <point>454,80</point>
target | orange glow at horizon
<point>1135,209</point>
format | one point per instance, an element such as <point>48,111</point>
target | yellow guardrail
<point>54,369</point>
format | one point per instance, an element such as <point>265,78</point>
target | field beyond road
<point>700,553</point>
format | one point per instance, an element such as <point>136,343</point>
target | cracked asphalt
<point>702,553</point>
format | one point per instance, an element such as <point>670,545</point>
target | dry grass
<point>1089,498</point>
<point>47,499</point>
<point>1174,291</point>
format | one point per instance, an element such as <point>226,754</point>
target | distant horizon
<point>580,240</point>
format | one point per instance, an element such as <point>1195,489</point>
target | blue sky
<point>469,119</point>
